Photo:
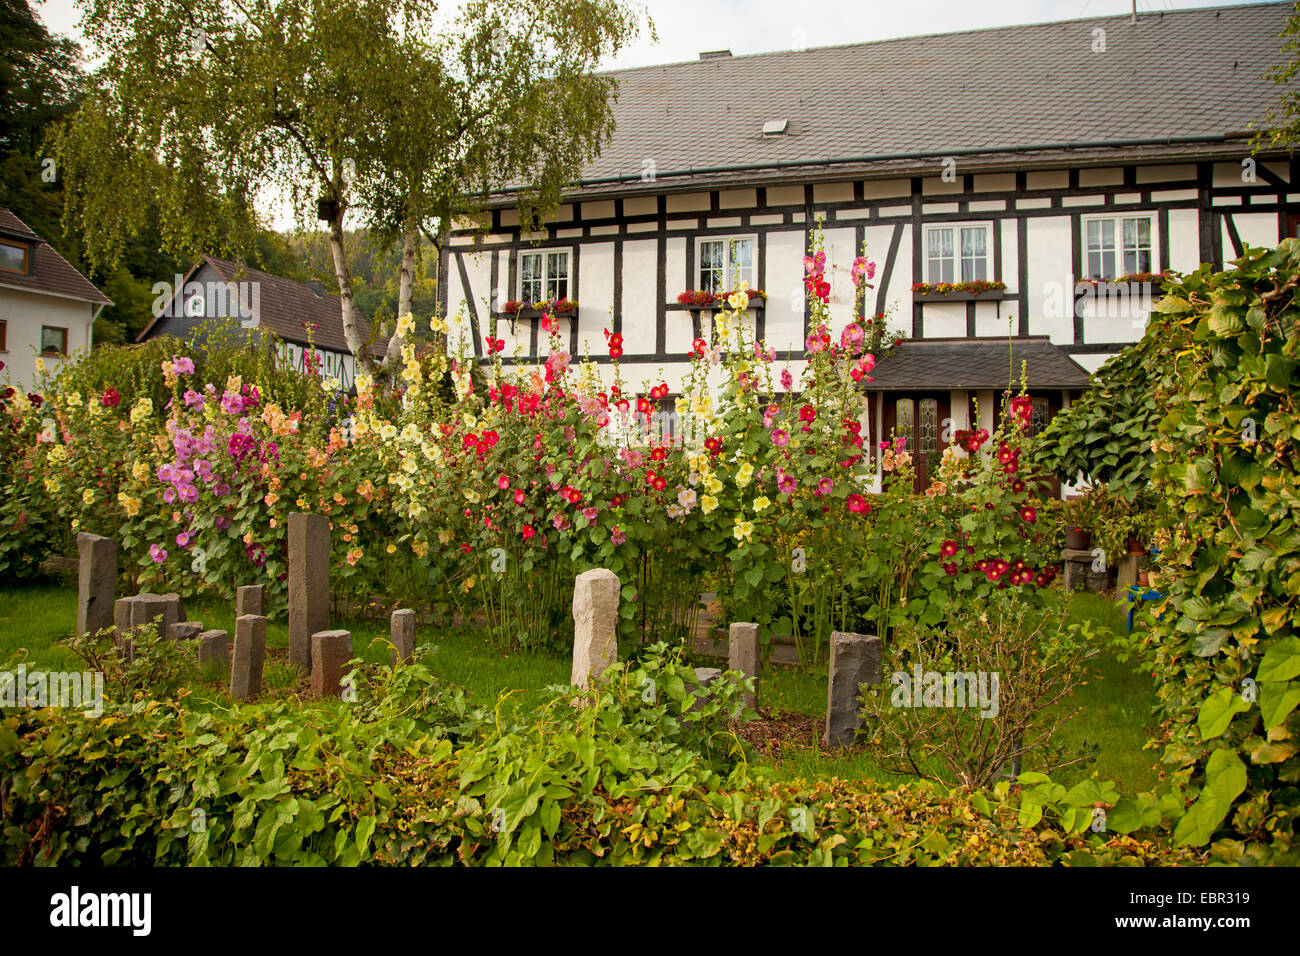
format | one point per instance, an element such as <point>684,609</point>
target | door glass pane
<point>712,254</point>
<point>927,432</point>
<point>904,422</point>
<point>530,271</point>
<point>1038,418</point>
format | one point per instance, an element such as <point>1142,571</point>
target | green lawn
<point>1115,702</point>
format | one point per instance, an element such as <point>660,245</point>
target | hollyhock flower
<point>858,504</point>
<point>807,414</point>
<point>110,398</point>
<point>780,438</point>
<point>1017,486</point>
<point>158,553</point>
<point>824,487</point>
<point>852,336</point>
<point>182,366</point>
<point>257,554</point>
<point>814,343</point>
<point>950,569</point>
<point>169,495</point>
<point>503,482</point>
<point>616,536</point>
<point>589,513</point>
<point>560,522</point>
<point>787,380</point>
<point>1028,515</point>
<point>744,529</point>
<point>687,498</point>
<point>519,496</point>
<point>193,400</point>
<point>184,538</point>
<point>698,348</point>
<point>1004,453</point>
<point>785,483</point>
<point>948,548</point>
<point>528,531</point>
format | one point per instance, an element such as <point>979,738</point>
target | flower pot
<point>1077,539</point>
<point>1136,547</point>
<point>1144,579</point>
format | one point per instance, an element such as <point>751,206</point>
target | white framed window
<point>1118,245</point>
<point>723,262</point>
<point>544,275</point>
<point>957,252</point>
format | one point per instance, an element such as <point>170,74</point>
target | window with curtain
<point>543,276</point>
<point>1117,246</point>
<point>724,263</point>
<point>957,253</point>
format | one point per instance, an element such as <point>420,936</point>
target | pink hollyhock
<point>780,438</point>
<point>503,482</point>
<point>519,496</point>
<point>616,536</point>
<point>785,483</point>
<point>158,553</point>
<point>852,336</point>
<point>787,380</point>
<point>528,531</point>
<point>825,486</point>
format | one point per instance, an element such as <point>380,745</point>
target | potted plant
<point>1076,515</point>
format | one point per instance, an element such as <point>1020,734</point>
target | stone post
<point>96,582</point>
<point>248,600</point>
<point>1126,574</point>
<point>214,646</point>
<point>309,584</point>
<point>401,629</point>
<point>122,610</point>
<point>250,654</point>
<point>595,623</point>
<point>743,655</point>
<point>856,659</point>
<point>145,607</point>
<point>330,653</point>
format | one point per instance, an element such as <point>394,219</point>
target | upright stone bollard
<point>855,660</point>
<point>175,608</point>
<point>1078,568</point>
<point>214,646</point>
<point>401,629</point>
<point>743,655</point>
<point>248,600</point>
<point>250,654</point>
<point>185,630</point>
<point>595,623</point>
<point>146,607</point>
<point>96,582</point>
<point>309,584</point>
<point>122,609</point>
<point>330,653</point>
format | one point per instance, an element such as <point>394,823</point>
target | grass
<point>1115,702</point>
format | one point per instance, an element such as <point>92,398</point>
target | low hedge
<point>411,774</point>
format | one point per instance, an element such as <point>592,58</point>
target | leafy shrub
<point>968,700</point>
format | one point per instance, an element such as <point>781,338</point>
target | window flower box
<point>699,299</point>
<point>979,289</point>
<point>559,308</point>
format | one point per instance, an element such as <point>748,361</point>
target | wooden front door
<point>923,421</point>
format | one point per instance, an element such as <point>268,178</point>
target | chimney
<point>715,55</point>
<point>318,287</point>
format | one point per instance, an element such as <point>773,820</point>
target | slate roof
<point>49,272</point>
<point>285,305</point>
<point>1176,74</point>
<point>976,363</point>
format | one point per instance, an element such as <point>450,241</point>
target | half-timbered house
<point>1055,166</point>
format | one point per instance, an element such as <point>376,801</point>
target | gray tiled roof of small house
<point>49,273</point>
<point>1180,74</point>
<point>284,305</point>
<point>976,363</point>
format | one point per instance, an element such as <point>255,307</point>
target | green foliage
<point>1226,464</point>
<point>1023,665</point>
<point>1106,435</point>
<point>409,774</point>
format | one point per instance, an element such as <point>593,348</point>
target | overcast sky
<point>688,27</point>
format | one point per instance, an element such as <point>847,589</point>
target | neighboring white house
<point>237,296</point>
<point>1046,159</point>
<point>47,308</point>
